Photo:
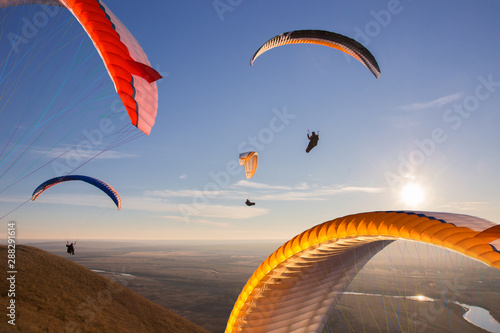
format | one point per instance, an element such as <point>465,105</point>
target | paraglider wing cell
<point>326,38</point>
<point>105,187</point>
<point>126,63</point>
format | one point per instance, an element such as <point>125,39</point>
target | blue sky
<point>431,119</point>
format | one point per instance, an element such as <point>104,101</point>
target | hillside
<point>53,294</point>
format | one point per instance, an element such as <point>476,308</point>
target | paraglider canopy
<point>303,279</point>
<point>103,186</point>
<point>250,160</point>
<point>326,38</point>
<point>125,61</point>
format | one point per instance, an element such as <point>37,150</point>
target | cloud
<point>15,199</point>
<point>317,194</point>
<point>172,193</point>
<point>465,206</point>
<point>150,204</point>
<point>210,207</point>
<point>201,221</point>
<point>344,189</point>
<point>183,176</point>
<point>88,200</point>
<point>302,186</point>
<point>260,191</point>
<point>291,196</point>
<point>159,205</point>
<point>239,212</point>
<point>246,183</point>
<point>194,194</point>
<point>437,103</point>
<point>202,206</point>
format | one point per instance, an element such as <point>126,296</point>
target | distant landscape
<point>201,281</point>
<point>49,293</point>
<point>456,279</point>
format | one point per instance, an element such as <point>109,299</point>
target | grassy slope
<point>54,294</point>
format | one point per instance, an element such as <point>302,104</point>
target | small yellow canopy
<point>250,160</point>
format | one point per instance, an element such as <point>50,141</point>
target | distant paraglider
<point>313,141</point>
<point>70,248</point>
<point>125,61</point>
<point>250,160</point>
<point>105,187</point>
<point>326,38</point>
<point>249,203</point>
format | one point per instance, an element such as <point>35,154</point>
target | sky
<point>421,137</point>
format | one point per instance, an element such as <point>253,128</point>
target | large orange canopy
<point>298,284</point>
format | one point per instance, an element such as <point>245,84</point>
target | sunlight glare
<point>412,194</point>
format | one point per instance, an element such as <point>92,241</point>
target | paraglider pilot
<point>70,248</point>
<point>313,140</point>
<point>249,203</point>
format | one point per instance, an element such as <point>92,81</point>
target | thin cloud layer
<point>200,205</point>
<point>248,184</point>
<point>437,103</point>
<point>261,191</point>
<point>193,220</point>
<point>208,207</point>
<point>317,193</point>
<point>465,206</point>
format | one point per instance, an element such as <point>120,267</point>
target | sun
<point>412,194</point>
